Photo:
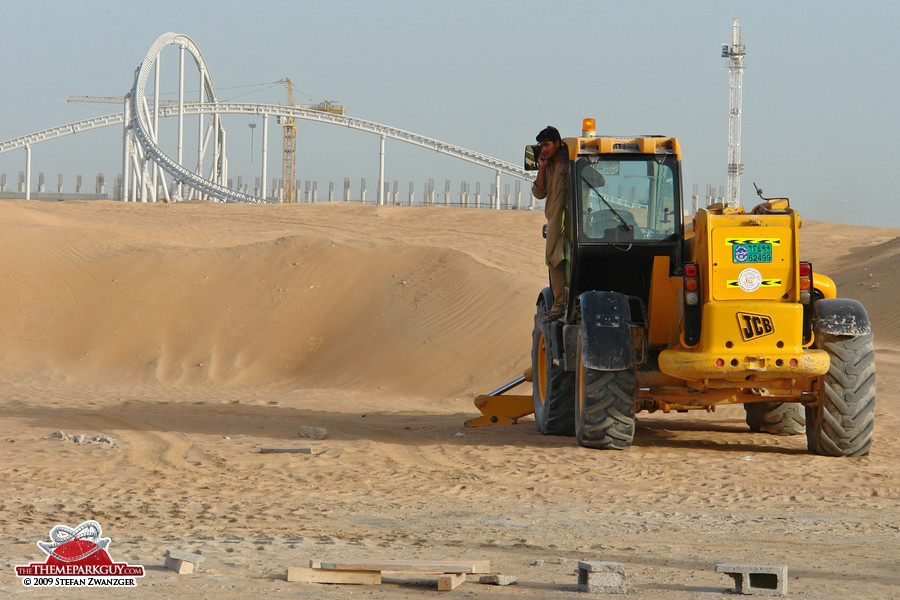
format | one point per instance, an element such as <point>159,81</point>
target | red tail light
<point>691,284</point>
<point>805,271</point>
<point>692,307</point>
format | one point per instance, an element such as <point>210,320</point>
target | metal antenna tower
<point>735,55</point>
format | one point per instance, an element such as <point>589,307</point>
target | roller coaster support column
<point>28,172</point>
<point>497,192</point>
<point>221,164</point>
<point>180,117</point>
<point>201,147</point>
<point>155,166</point>
<point>381,173</point>
<point>126,118</point>
<point>265,152</point>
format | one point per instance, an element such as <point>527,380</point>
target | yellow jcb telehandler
<point>666,315</point>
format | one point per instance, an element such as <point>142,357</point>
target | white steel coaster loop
<point>140,117</point>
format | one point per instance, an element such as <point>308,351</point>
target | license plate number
<point>752,253</point>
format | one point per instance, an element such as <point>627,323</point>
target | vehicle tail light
<point>692,309</point>
<point>691,284</point>
<point>805,272</point>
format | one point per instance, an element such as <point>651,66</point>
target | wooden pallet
<point>450,575</point>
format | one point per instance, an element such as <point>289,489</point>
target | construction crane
<point>289,159</point>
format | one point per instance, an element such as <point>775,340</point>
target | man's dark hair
<point>548,133</point>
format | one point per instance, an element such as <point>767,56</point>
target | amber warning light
<point>588,128</point>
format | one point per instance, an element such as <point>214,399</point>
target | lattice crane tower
<point>735,55</point>
<point>289,158</point>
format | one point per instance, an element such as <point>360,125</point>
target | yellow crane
<point>289,158</point>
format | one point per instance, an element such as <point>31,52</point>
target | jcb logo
<point>755,326</point>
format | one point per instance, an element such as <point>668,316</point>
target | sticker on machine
<point>749,280</point>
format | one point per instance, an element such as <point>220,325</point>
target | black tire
<point>553,388</point>
<point>842,421</point>
<point>777,418</point>
<point>605,409</point>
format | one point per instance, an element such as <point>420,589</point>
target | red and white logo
<point>78,558</point>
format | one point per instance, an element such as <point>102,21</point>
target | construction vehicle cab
<point>667,315</point>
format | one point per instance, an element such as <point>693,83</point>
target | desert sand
<point>194,334</point>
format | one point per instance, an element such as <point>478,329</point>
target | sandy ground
<point>194,334</point>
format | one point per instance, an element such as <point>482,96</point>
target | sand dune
<point>361,301</point>
<point>195,333</point>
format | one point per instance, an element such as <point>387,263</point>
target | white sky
<point>820,86</point>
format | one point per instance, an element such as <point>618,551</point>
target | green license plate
<point>752,253</point>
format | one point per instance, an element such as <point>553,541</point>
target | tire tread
<point>606,419</point>
<point>845,421</point>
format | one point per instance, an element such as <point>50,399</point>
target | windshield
<point>627,198</point>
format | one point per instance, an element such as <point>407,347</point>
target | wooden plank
<point>417,566</point>
<point>357,577</point>
<point>267,450</point>
<point>450,581</point>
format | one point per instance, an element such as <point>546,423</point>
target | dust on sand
<point>194,334</point>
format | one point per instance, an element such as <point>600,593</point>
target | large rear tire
<point>605,409</point>
<point>777,418</point>
<point>842,421</point>
<point>553,388</point>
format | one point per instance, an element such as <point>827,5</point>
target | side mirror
<point>595,179</point>
<point>531,157</point>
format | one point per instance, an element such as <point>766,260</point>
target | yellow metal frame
<point>824,284</point>
<point>629,145</point>
<point>732,357</point>
<point>500,409</point>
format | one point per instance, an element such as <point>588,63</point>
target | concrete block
<point>498,579</point>
<point>312,433</point>
<point>182,562</point>
<point>769,580</point>
<point>179,566</point>
<point>601,577</point>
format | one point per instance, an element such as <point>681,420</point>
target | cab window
<point>629,198</point>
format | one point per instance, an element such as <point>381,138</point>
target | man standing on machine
<point>552,183</point>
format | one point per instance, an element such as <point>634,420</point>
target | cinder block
<point>179,566</point>
<point>770,580</point>
<point>601,577</point>
<point>498,579</point>
<point>182,562</point>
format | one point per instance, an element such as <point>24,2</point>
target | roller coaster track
<point>137,111</point>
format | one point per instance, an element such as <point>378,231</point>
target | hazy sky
<point>820,86</point>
